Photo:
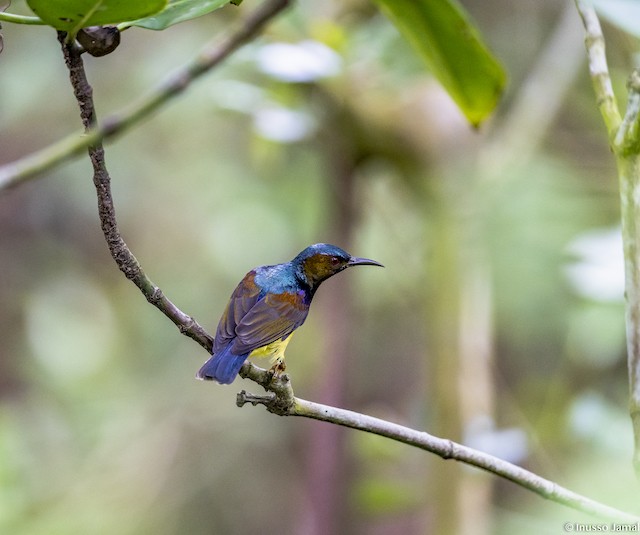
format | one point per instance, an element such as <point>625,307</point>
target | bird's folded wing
<point>243,298</point>
<point>272,318</point>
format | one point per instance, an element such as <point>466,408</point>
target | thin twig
<point>598,68</point>
<point>20,19</point>
<point>626,142</point>
<point>215,53</point>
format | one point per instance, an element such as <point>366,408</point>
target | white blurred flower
<point>510,443</point>
<point>595,419</point>
<point>282,124</point>
<point>598,273</point>
<point>302,62</point>
<point>237,96</point>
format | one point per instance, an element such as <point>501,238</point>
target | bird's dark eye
<point>335,261</point>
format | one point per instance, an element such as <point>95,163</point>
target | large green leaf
<point>72,15</point>
<point>442,33</point>
<point>179,11</point>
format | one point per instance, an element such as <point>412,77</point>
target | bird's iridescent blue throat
<point>268,304</point>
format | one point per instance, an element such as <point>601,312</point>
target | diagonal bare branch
<point>281,400</point>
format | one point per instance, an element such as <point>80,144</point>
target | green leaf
<point>444,36</point>
<point>72,15</point>
<point>179,11</point>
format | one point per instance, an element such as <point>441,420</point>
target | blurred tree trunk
<point>476,386</point>
<point>326,471</point>
<point>458,319</point>
<point>17,233</point>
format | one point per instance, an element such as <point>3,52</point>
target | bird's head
<point>320,261</point>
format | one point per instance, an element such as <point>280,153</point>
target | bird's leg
<point>277,368</point>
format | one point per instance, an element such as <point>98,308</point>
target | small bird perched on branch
<point>268,305</point>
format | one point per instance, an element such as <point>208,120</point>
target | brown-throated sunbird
<point>268,305</point>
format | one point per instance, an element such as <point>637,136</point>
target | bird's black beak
<point>355,261</point>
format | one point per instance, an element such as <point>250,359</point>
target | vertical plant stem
<point>629,176</point>
<point>624,136</point>
<point>626,146</point>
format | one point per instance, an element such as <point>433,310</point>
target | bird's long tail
<point>222,367</point>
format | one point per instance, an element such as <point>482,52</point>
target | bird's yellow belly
<point>273,351</point>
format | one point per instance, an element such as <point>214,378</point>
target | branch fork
<point>279,398</point>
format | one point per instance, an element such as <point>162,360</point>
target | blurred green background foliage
<point>498,320</point>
